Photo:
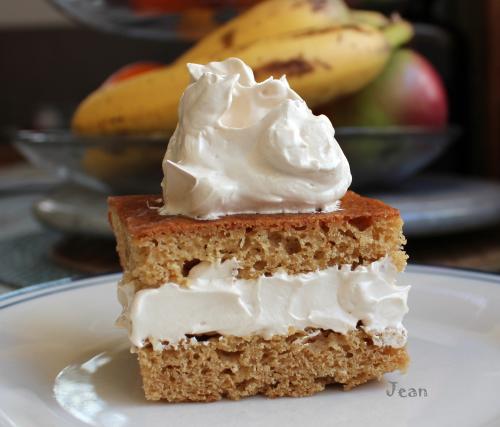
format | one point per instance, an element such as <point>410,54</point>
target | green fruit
<point>409,92</point>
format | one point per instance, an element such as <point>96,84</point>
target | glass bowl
<point>132,164</point>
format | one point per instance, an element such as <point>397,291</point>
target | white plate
<point>62,363</point>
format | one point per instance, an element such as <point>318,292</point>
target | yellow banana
<point>266,20</point>
<point>323,64</point>
<point>369,17</point>
<point>143,104</point>
<point>320,64</point>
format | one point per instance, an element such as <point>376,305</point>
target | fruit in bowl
<point>397,124</point>
<point>409,92</point>
<point>325,49</point>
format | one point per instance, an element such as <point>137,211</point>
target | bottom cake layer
<point>296,365</point>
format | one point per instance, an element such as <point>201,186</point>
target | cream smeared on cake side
<point>216,301</point>
<point>247,147</point>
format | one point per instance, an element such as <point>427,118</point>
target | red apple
<point>131,70</point>
<point>409,92</point>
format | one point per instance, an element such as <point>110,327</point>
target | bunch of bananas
<point>325,49</point>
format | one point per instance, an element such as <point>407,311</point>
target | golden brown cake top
<point>139,214</point>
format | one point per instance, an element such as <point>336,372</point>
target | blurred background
<point>423,134</point>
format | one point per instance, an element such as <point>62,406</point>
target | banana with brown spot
<point>266,20</point>
<point>320,64</point>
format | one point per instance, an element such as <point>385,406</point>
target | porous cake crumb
<point>155,249</point>
<point>296,365</point>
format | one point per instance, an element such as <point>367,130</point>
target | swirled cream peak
<point>246,147</point>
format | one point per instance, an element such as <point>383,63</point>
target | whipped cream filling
<point>246,147</point>
<point>216,301</point>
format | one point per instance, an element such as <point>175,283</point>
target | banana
<point>369,17</point>
<point>321,63</point>
<point>398,31</point>
<point>143,104</point>
<point>266,20</point>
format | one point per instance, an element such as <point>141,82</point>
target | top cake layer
<point>155,249</point>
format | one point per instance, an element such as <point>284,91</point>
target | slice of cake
<point>257,272</point>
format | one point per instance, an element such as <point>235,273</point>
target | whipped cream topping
<point>216,301</point>
<point>247,147</point>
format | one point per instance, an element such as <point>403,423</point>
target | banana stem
<point>398,32</point>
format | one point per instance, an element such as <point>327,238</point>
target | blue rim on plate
<point>53,287</point>
<point>44,289</point>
